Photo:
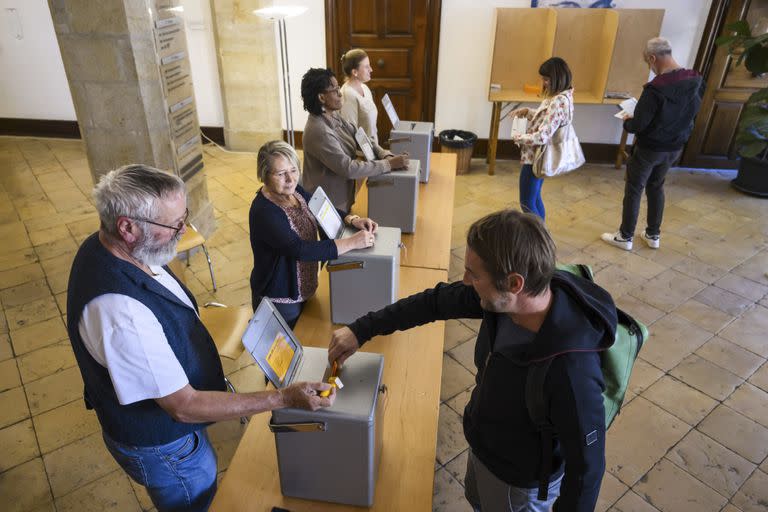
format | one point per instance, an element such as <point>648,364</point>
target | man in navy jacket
<point>150,368</point>
<point>531,313</point>
<point>662,124</point>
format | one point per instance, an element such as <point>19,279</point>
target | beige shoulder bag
<point>561,155</point>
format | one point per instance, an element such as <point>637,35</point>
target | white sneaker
<point>652,241</point>
<point>616,240</point>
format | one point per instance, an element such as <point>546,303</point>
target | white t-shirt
<point>125,337</point>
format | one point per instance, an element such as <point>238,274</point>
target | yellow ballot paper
<point>279,356</point>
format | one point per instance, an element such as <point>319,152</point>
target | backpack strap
<point>538,406</point>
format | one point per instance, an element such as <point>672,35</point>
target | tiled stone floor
<point>693,434</point>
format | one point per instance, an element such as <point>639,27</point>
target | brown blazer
<point>330,159</point>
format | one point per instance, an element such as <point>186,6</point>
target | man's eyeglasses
<point>175,228</point>
<point>336,90</point>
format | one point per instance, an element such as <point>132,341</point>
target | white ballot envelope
<point>627,108</point>
<point>519,125</point>
<point>365,144</point>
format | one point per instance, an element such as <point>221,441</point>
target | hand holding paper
<point>627,109</point>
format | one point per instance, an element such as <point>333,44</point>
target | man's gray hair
<point>658,46</point>
<point>132,191</point>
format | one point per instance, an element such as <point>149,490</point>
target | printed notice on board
<point>279,356</point>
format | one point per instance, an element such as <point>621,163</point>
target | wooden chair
<point>226,326</point>
<point>191,239</point>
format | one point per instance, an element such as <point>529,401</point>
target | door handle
<point>380,63</point>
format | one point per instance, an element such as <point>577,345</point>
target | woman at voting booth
<point>357,100</point>
<point>330,148</point>
<point>284,235</point>
<point>555,111</point>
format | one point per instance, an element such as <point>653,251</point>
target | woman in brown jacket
<point>330,149</point>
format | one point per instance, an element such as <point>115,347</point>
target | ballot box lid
<point>273,345</point>
<point>412,172</point>
<point>385,247</point>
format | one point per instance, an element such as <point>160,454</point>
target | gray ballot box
<point>394,197</point>
<point>365,280</point>
<point>414,137</point>
<point>362,280</point>
<point>330,454</point>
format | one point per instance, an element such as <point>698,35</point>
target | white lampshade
<point>280,12</point>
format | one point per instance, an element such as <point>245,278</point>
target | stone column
<point>248,73</point>
<point>128,72</point>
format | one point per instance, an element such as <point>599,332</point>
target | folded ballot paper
<point>627,108</point>
<point>519,125</point>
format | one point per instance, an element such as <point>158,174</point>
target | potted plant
<point>752,132</point>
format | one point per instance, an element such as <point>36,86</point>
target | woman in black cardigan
<point>284,235</point>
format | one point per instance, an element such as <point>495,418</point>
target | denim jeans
<point>486,493</point>
<point>645,170</point>
<point>530,192</point>
<point>290,312</point>
<point>180,475</point>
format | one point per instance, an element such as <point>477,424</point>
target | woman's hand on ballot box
<point>306,395</point>
<point>343,344</point>
<point>399,161</point>
<point>364,224</point>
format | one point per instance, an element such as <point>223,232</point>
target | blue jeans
<point>486,493</point>
<point>530,192</point>
<point>180,475</point>
<point>290,312</point>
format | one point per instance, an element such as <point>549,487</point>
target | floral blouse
<point>304,224</point>
<point>553,113</point>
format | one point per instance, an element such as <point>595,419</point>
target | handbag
<point>563,154</point>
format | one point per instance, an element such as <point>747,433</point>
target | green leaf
<point>723,40</point>
<point>752,149</point>
<point>741,28</point>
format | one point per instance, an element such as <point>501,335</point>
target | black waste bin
<point>460,142</point>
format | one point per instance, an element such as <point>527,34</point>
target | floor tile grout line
<point>696,428</point>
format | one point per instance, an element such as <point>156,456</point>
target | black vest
<point>95,272</point>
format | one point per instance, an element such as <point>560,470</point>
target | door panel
<point>728,88</point>
<point>718,141</point>
<point>400,37</point>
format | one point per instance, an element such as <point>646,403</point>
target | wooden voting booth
<point>603,48</point>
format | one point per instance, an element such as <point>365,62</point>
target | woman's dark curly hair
<point>315,81</point>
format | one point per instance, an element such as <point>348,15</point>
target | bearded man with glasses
<point>150,368</point>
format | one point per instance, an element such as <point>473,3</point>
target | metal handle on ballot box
<point>311,426</point>
<point>381,181</point>
<point>347,265</point>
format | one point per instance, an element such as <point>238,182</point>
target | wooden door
<point>728,87</point>
<point>401,39</point>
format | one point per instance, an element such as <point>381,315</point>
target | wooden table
<point>430,245</point>
<point>412,371</point>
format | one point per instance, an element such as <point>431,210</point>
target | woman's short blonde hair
<point>268,152</point>
<point>352,59</point>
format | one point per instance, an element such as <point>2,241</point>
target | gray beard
<point>155,255</point>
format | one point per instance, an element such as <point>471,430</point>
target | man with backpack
<point>530,449</point>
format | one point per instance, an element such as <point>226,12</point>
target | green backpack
<point>616,363</point>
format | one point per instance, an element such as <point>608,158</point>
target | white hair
<point>658,46</point>
<point>131,191</point>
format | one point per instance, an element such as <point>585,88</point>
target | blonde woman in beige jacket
<point>358,106</point>
<point>330,149</point>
